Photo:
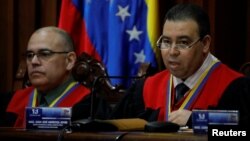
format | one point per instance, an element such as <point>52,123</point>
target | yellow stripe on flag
<point>153,26</point>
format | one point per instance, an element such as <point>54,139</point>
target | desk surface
<point>22,134</point>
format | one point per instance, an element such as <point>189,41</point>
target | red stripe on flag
<point>72,22</point>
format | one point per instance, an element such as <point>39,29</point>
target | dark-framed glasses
<point>42,54</point>
<point>164,43</point>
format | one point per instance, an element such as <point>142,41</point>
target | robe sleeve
<point>132,104</point>
<point>237,97</point>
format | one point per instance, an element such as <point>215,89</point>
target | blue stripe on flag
<point>118,31</point>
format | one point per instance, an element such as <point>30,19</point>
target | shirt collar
<point>191,80</point>
<point>53,94</point>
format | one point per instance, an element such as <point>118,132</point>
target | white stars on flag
<point>134,34</point>
<point>140,57</point>
<point>123,12</point>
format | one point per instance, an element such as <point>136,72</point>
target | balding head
<point>63,35</point>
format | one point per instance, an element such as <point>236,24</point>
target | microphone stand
<point>94,94</point>
<point>91,123</point>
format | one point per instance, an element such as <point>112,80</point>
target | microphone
<point>161,126</point>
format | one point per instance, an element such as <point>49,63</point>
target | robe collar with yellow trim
<point>193,93</point>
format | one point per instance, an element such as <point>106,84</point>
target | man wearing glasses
<point>193,79</point>
<point>50,58</point>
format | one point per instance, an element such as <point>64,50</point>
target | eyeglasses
<point>164,43</point>
<point>42,54</point>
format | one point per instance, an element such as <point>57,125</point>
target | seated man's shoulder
<point>237,97</point>
<point>239,83</point>
<point>23,92</point>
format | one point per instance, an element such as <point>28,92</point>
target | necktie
<point>43,102</point>
<point>181,89</point>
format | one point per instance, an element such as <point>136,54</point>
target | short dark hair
<point>186,11</point>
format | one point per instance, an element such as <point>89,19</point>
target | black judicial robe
<point>237,97</point>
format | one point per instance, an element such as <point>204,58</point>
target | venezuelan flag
<point>120,33</point>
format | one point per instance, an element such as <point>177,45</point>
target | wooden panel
<point>18,19</point>
<point>26,23</point>
<point>230,30</point>
<point>32,135</point>
<point>6,42</point>
<point>209,6</point>
<point>49,12</point>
